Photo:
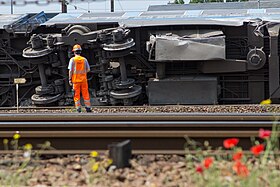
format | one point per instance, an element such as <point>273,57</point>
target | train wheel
<point>45,99</point>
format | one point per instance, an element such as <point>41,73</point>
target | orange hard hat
<point>77,47</point>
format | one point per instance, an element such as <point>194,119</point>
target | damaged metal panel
<point>192,45</point>
<point>27,23</point>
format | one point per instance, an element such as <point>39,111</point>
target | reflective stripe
<point>79,69</point>
<point>78,104</point>
<point>87,103</point>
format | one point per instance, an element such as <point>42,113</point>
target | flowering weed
<point>231,166</point>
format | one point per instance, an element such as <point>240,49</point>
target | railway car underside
<point>226,65</point>
<point>210,64</point>
<point>156,64</point>
<point>101,47</point>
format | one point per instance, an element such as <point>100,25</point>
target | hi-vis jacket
<point>79,67</point>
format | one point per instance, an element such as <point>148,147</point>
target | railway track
<point>152,133</point>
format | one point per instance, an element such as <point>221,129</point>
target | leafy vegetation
<point>179,2</point>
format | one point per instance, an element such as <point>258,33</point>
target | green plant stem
<point>271,142</point>
<point>6,147</point>
<point>267,151</point>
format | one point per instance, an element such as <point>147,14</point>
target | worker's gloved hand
<point>70,83</point>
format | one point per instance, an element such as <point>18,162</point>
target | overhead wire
<point>77,7</point>
<point>88,8</point>
<point>120,5</point>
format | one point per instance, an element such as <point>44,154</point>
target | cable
<point>120,5</point>
<point>77,7</point>
<point>8,56</point>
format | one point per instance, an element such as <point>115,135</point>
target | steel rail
<point>136,124</point>
<point>129,134</point>
<point>149,133</point>
<point>139,117</point>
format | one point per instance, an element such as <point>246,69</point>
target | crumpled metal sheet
<point>209,45</point>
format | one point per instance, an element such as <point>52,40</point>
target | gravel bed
<point>165,109</point>
<point>145,170</point>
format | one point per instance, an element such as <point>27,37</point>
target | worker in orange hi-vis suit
<point>78,69</point>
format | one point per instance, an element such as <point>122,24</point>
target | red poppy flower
<point>199,169</point>
<point>207,162</point>
<point>257,149</point>
<point>240,169</point>
<point>264,134</point>
<point>237,156</point>
<point>231,142</point>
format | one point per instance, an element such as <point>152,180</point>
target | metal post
<point>18,81</point>
<point>123,69</point>
<point>63,6</point>
<point>88,7</point>
<point>274,63</point>
<point>42,75</point>
<point>17,96</point>
<point>112,5</point>
<point>12,4</point>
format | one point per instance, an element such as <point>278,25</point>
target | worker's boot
<point>79,110</point>
<point>88,109</point>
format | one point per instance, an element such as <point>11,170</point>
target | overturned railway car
<point>156,58</point>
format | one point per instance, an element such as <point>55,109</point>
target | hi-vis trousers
<point>78,88</point>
